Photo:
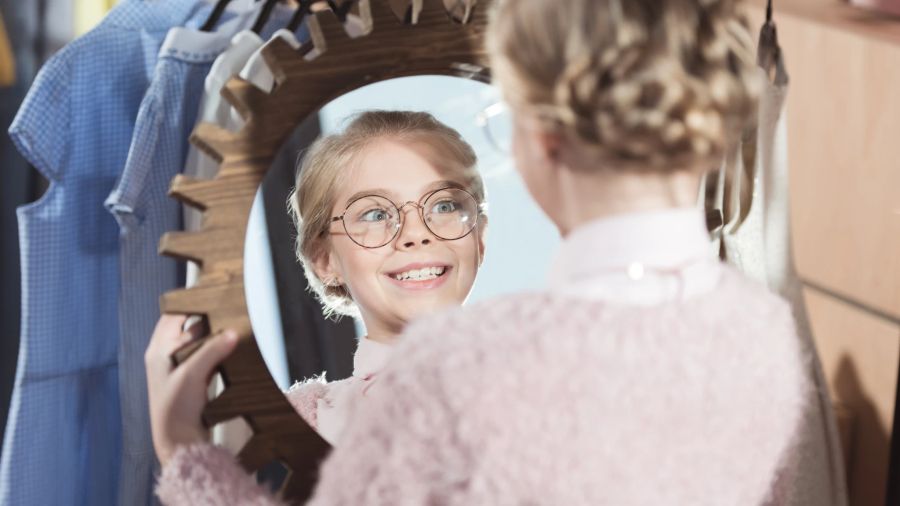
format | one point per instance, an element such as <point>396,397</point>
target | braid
<point>652,83</point>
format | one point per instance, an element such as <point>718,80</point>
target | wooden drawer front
<point>859,353</point>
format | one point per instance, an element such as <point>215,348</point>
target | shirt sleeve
<point>784,483</point>
<point>401,446</point>
<point>122,201</point>
<point>40,129</point>
<point>304,396</point>
<point>796,383</point>
<point>204,474</point>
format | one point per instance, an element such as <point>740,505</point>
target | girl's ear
<point>551,145</point>
<point>540,141</point>
<point>481,234</point>
<point>324,267</point>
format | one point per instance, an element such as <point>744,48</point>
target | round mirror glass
<point>297,341</point>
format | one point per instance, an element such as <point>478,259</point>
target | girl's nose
<point>412,227</point>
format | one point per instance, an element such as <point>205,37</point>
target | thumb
<point>212,353</point>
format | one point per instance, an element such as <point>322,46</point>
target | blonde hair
<point>657,84</point>
<point>330,158</point>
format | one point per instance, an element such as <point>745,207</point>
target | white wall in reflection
<point>262,294</point>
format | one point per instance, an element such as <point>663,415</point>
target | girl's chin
<point>413,308</point>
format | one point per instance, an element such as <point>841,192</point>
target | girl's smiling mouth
<point>420,276</point>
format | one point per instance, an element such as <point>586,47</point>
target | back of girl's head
<point>329,161</point>
<point>659,84</point>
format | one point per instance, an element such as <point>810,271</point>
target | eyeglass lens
<point>374,221</point>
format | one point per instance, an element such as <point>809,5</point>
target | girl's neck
<point>379,333</point>
<point>381,338</point>
<point>586,197</point>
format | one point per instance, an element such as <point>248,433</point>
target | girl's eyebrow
<point>381,192</point>
<point>437,185</point>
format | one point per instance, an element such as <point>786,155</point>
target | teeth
<point>420,274</point>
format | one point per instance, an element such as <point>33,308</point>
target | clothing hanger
<point>341,10</point>
<point>219,9</point>
<point>302,11</point>
<point>264,15</point>
<point>214,17</point>
<point>305,8</point>
<point>740,181</point>
<point>769,55</point>
<point>308,7</point>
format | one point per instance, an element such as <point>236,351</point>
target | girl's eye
<point>375,215</point>
<point>445,206</point>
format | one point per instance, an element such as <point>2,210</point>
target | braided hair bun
<point>659,84</point>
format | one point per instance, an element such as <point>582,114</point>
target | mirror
<point>434,43</point>
<point>296,341</point>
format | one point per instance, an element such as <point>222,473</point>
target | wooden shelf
<point>840,15</point>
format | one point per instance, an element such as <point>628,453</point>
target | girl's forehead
<point>392,168</point>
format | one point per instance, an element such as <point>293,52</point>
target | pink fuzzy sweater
<point>328,406</point>
<point>549,398</point>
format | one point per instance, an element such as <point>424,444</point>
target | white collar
<point>370,358</point>
<point>607,257</point>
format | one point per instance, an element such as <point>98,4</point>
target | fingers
<point>211,354</point>
<point>168,325</point>
<point>196,327</point>
<point>167,331</point>
<point>168,337</point>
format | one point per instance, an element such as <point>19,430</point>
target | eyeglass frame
<point>483,120</point>
<point>402,215</point>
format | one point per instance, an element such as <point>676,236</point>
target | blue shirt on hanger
<point>163,125</point>
<point>144,211</point>
<point>62,443</point>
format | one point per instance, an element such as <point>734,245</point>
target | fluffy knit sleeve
<point>401,446</point>
<point>788,487</point>
<point>206,475</point>
<point>305,395</point>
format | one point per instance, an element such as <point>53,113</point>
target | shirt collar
<point>370,358</point>
<point>158,15</point>
<point>662,239</point>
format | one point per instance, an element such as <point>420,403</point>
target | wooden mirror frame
<point>433,44</point>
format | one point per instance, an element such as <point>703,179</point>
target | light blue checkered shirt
<point>63,439</point>
<point>140,204</point>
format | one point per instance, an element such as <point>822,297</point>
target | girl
<point>646,373</point>
<point>391,227</point>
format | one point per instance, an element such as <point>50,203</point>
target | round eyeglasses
<point>372,221</point>
<point>495,121</point>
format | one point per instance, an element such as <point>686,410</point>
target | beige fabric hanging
<point>756,239</point>
<point>7,58</point>
<point>89,12</point>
